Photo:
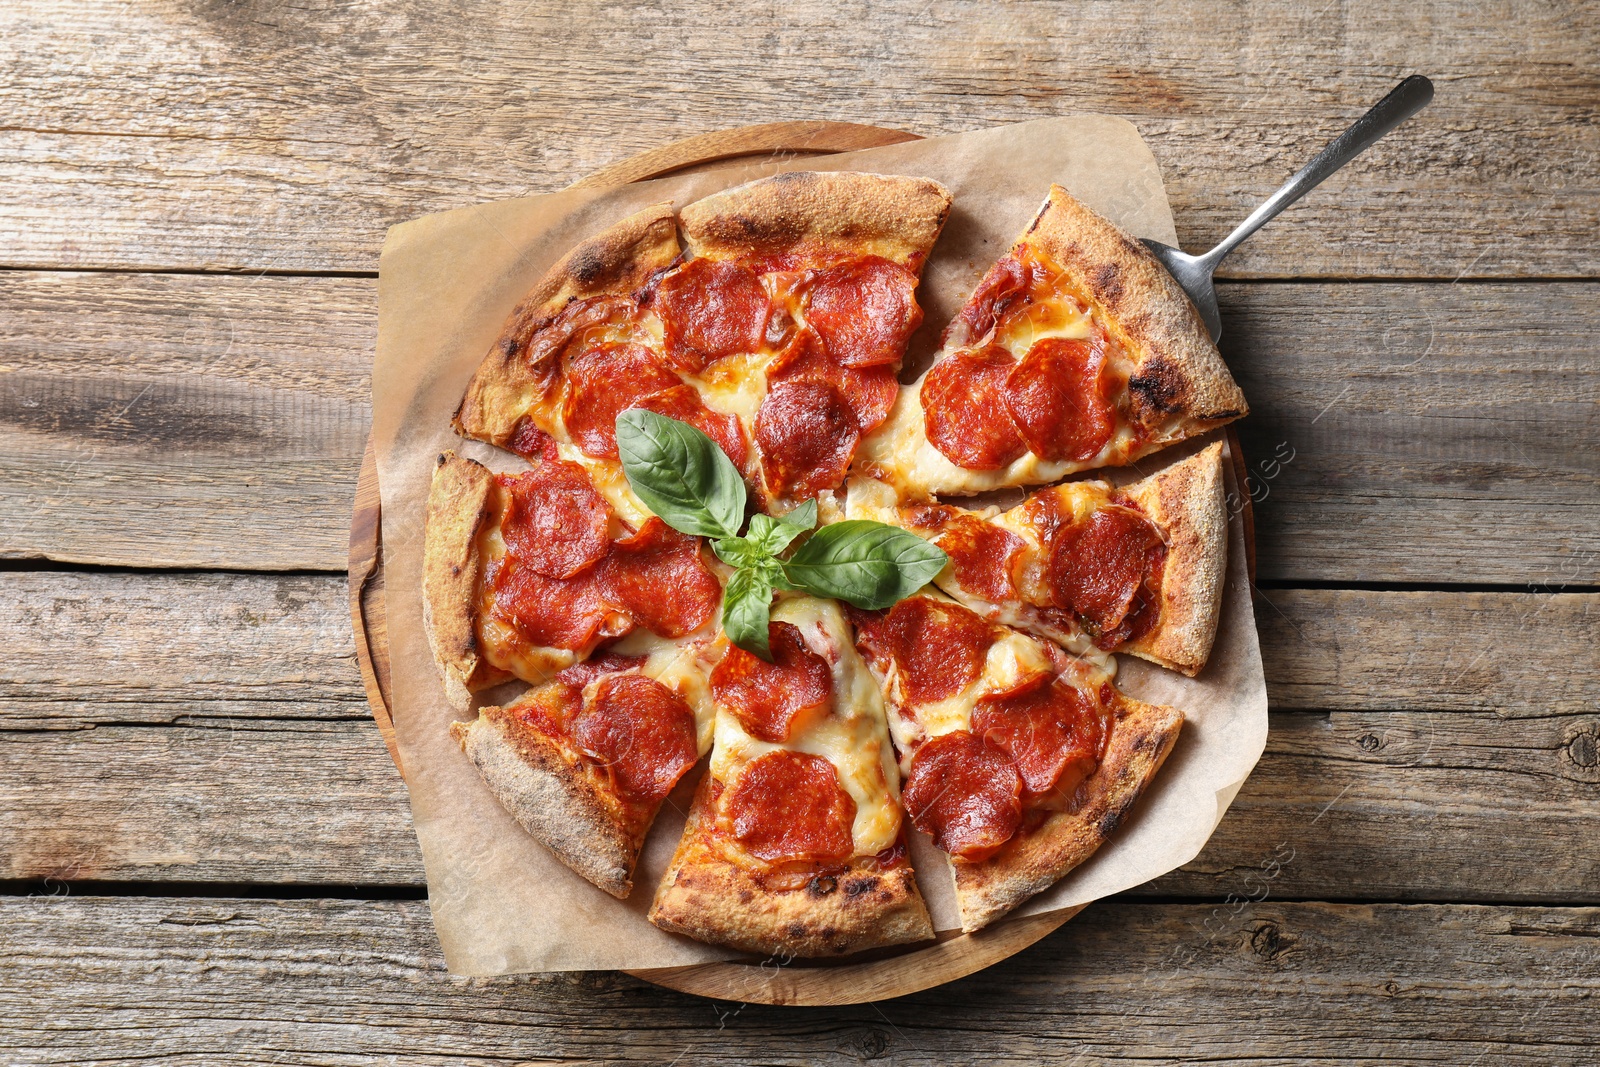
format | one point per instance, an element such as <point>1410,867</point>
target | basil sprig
<point>684,477</point>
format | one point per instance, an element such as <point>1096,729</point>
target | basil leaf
<point>870,564</point>
<point>680,474</point>
<point>802,518</point>
<point>742,552</point>
<point>774,535</point>
<point>746,606</point>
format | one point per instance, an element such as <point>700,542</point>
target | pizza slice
<point>778,331</point>
<point>526,574</point>
<point>1019,760</point>
<point>795,844</point>
<point>1076,351</point>
<point>839,256</point>
<point>584,761</point>
<point>1137,569</point>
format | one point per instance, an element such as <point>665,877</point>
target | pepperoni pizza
<point>1018,759</point>
<point>1076,351</point>
<point>795,841</point>
<point>981,712</point>
<point>1137,569</point>
<point>778,329</point>
<point>526,574</point>
<point>584,761</point>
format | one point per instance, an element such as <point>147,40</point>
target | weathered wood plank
<point>292,982</point>
<point>91,648</point>
<point>1382,806</point>
<point>305,137</point>
<point>208,798</point>
<point>1430,433</point>
<point>1510,653</point>
<point>211,728</point>
<point>1401,432</point>
<point>182,421</point>
<point>1352,805</point>
<point>146,647</point>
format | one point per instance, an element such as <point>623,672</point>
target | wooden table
<point>206,851</point>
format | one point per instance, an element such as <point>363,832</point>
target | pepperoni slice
<point>1097,567</point>
<point>964,793</point>
<point>982,555</point>
<point>581,323</point>
<point>711,309</point>
<point>1005,284</point>
<point>658,577</point>
<point>532,443</point>
<point>938,646</point>
<point>1145,612</point>
<point>869,391</point>
<point>682,402</point>
<point>604,381</point>
<point>865,311</point>
<point>1054,732</point>
<point>550,612</point>
<point>792,806</point>
<point>597,666</point>
<point>1058,398</point>
<point>769,698</point>
<point>807,436</point>
<point>639,730</point>
<point>965,410</point>
<point>555,522</point>
<point>548,708</point>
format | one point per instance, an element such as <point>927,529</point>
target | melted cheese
<point>854,737</point>
<point>1064,319</point>
<point>900,453</point>
<point>867,498</point>
<point>1013,657</point>
<point>683,665</point>
<point>611,482</point>
<point>734,386</point>
<point>502,647</point>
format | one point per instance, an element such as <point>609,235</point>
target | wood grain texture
<point>800,985</point>
<point>1513,654</point>
<point>1351,805</point>
<point>306,135</point>
<point>273,643</point>
<point>181,420</point>
<point>1406,432</point>
<point>324,982</point>
<point>212,728</point>
<point>1427,433</point>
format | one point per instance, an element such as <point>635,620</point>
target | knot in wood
<point>872,1043</point>
<point>1269,941</point>
<point>1580,751</point>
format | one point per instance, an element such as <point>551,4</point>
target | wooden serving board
<point>799,982</point>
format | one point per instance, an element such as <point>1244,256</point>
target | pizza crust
<point>1140,741</point>
<point>711,896</point>
<point>1180,382</point>
<point>551,797</point>
<point>886,215</point>
<point>615,262</point>
<point>1186,500</point>
<point>459,502</point>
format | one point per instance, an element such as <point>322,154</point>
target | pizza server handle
<point>1194,272</point>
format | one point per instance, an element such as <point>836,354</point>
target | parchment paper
<point>446,283</point>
